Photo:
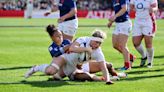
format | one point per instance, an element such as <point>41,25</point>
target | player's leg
<point>137,44</point>
<point>46,68</point>
<point>125,52</point>
<point>58,76</point>
<point>150,50</point>
<point>68,28</point>
<point>54,67</point>
<point>36,68</point>
<point>80,75</point>
<point>116,46</point>
<point>149,32</point>
<point>115,42</point>
<point>94,67</point>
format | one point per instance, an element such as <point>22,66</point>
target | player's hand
<point>60,20</point>
<point>89,50</point>
<point>47,13</point>
<point>109,24</point>
<point>79,66</point>
<point>112,19</point>
<point>109,82</point>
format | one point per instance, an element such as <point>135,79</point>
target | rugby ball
<point>84,56</point>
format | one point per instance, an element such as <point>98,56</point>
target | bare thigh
<point>137,40</point>
<point>148,41</point>
<point>115,40</point>
<point>94,67</point>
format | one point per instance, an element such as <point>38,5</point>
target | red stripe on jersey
<point>154,22</point>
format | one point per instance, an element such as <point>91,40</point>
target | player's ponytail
<point>51,29</point>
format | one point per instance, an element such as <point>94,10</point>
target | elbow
<point>74,11</point>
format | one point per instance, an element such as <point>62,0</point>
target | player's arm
<point>75,47</point>
<point>154,7</point>
<point>66,48</point>
<point>56,53</point>
<point>105,72</point>
<point>54,8</point>
<point>121,12</point>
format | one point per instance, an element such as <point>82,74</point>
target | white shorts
<point>144,27</point>
<point>123,28</point>
<point>69,27</point>
<point>85,67</point>
<point>71,63</point>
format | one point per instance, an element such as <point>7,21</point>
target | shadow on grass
<point>135,67</point>
<point>143,71</point>
<point>161,56</point>
<point>15,68</point>
<point>142,77</point>
<point>42,84</point>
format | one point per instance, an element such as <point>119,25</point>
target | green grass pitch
<point>24,42</point>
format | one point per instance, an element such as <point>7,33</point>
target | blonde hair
<point>99,33</point>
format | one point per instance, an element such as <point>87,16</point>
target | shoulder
<point>53,45</point>
<point>69,1</point>
<point>82,39</point>
<point>66,41</point>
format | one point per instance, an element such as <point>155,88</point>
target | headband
<point>97,39</point>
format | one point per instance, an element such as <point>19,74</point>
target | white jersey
<point>142,7</point>
<point>73,59</point>
<point>96,54</point>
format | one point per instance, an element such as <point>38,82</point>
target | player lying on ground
<point>59,44</point>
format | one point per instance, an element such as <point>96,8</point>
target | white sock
<point>150,55</point>
<point>140,49</point>
<point>41,68</point>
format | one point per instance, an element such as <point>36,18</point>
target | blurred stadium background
<point>86,8</point>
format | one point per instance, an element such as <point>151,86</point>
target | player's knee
<point>50,70</point>
<point>148,45</point>
<point>136,45</point>
<point>115,47</point>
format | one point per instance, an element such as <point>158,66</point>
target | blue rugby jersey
<point>56,50</point>
<point>65,7</point>
<point>117,4</point>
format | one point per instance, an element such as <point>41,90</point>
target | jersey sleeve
<point>66,42</point>
<point>153,3</point>
<point>123,2</point>
<point>80,40</point>
<point>132,2</point>
<point>71,3</point>
<point>98,55</point>
<point>55,52</point>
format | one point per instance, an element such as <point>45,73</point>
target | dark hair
<point>51,29</point>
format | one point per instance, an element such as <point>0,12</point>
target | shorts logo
<point>139,6</point>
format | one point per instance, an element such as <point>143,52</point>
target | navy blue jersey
<point>56,50</point>
<point>117,5</point>
<point>65,7</point>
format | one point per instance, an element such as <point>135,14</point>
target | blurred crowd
<point>46,4</point>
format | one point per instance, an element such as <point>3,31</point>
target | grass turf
<point>24,43</point>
